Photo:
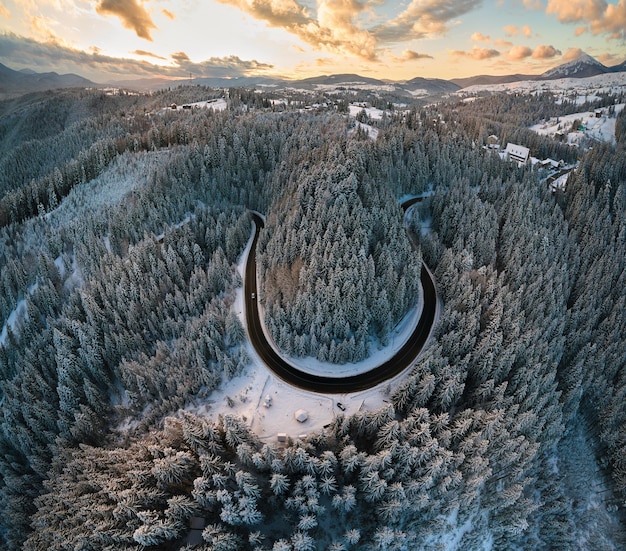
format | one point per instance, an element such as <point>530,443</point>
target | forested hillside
<point>121,225</point>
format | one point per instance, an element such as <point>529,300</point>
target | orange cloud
<point>476,53</point>
<point>502,43</point>
<point>335,28</point>
<point>511,30</point>
<point>603,18</point>
<point>545,52</point>
<point>424,18</point>
<point>4,12</point>
<point>480,37</point>
<point>168,14</point>
<point>131,13</point>
<point>571,54</point>
<point>410,55</point>
<point>526,31</point>
<point>144,53</point>
<point>517,53</point>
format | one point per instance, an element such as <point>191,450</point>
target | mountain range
<point>14,83</point>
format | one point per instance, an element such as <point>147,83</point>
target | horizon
<point>114,40</point>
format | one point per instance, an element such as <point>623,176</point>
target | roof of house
<point>515,150</point>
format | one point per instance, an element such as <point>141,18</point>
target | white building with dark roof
<point>517,153</point>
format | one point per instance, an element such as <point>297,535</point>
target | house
<point>517,153</point>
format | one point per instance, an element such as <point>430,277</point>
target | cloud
<point>579,31</point>
<point>476,53</point>
<point>424,18</point>
<point>131,13</point>
<point>340,26</point>
<point>527,31</point>
<point>335,28</point>
<point>545,52</point>
<point>168,14</point>
<point>517,53</point>
<point>27,52</point>
<point>144,53</point>
<point>4,12</point>
<point>571,54</point>
<point>532,4</point>
<point>410,55</point>
<point>480,37</point>
<point>502,43</point>
<point>602,17</point>
<point>511,30</point>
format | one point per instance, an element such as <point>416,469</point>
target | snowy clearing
<point>218,104</point>
<point>599,126</point>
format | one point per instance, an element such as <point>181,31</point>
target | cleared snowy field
<point>600,128</point>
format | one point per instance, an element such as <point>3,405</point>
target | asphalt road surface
<point>335,385</point>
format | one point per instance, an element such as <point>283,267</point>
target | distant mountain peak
<point>583,66</point>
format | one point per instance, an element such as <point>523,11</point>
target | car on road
<point>341,406</point>
<point>253,296</point>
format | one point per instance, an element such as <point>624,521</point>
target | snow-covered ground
<point>247,394</point>
<point>218,104</point>
<point>584,88</point>
<point>16,318</point>
<point>372,112</point>
<point>600,128</point>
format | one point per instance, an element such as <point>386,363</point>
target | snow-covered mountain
<point>582,67</point>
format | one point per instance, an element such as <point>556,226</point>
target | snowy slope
<point>612,83</point>
<point>581,67</point>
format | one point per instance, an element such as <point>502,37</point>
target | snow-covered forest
<point>121,223</point>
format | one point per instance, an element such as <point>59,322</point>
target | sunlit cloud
<point>480,37</point>
<point>533,4</point>
<point>517,53</point>
<point>334,30</point>
<point>479,54</point>
<point>410,55</point>
<point>571,54</point>
<point>579,31</point>
<point>407,56</point>
<point>144,53</point>
<point>514,30</point>
<point>545,52</point>
<point>603,18</point>
<point>502,43</point>
<point>340,26</point>
<point>608,59</point>
<point>168,14</point>
<point>27,52</point>
<point>4,12</point>
<point>424,18</point>
<point>131,13</point>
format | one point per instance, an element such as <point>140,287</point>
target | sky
<point>113,40</point>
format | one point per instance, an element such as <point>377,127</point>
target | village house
<point>517,153</point>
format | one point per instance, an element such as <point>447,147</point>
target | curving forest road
<point>335,385</point>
